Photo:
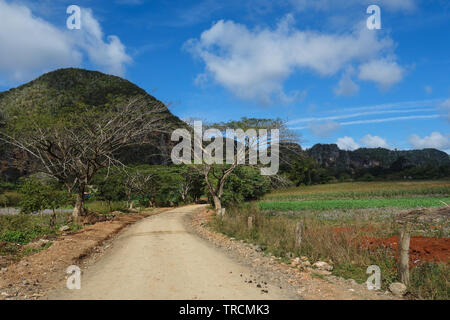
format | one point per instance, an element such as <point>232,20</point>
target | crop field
<point>356,190</point>
<point>400,203</point>
<point>354,225</point>
<point>360,195</point>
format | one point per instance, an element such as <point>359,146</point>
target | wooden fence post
<point>298,234</point>
<point>250,222</point>
<point>403,260</point>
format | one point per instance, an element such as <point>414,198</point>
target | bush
<point>431,281</point>
<point>6,186</point>
<point>21,237</point>
<point>10,199</point>
<point>367,177</point>
<point>37,197</point>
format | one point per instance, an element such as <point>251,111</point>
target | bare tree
<point>247,144</point>
<point>138,182</point>
<point>72,147</point>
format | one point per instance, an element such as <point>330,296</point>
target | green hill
<point>69,88</point>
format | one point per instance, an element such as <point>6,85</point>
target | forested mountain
<point>329,155</point>
<point>69,88</point>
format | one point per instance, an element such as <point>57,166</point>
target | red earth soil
<point>421,249</point>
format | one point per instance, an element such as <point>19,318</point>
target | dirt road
<point>157,258</point>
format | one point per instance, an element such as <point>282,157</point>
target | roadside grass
<point>400,203</point>
<point>431,281</point>
<point>16,231</point>
<point>24,228</point>
<point>338,242</point>
<point>30,251</point>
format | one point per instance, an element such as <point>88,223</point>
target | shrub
<point>16,236</point>
<point>431,281</point>
<point>10,199</point>
<point>23,228</point>
<point>38,197</point>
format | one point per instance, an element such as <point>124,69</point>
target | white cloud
<point>346,86</point>
<point>347,143</point>
<point>374,142</point>
<point>383,72</point>
<point>428,89</point>
<point>369,113</point>
<point>436,140</point>
<point>445,109</point>
<point>201,80</point>
<point>110,55</point>
<point>423,117</point>
<point>325,5</point>
<point>31,45</point>
<point>253,64</point>
<point>324,129</point>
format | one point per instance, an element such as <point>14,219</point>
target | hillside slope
<point>68,88</point>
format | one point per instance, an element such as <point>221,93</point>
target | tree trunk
<point>217,205</point>
<point>53,219</point>
<point>78,210</point>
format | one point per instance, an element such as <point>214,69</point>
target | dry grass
<point>328,238</point>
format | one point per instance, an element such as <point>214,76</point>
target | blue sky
<point>313,63</point>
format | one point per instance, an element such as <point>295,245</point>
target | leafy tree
<point>109,187</point>
<point>189,184</point>
<point>244,184</point>
<point>302,170</point>
<point>34,197</point>
<point>38,197</point>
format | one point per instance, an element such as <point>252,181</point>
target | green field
<point>355,190</point>
<point>400,203</point>
<point>360,195</point>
